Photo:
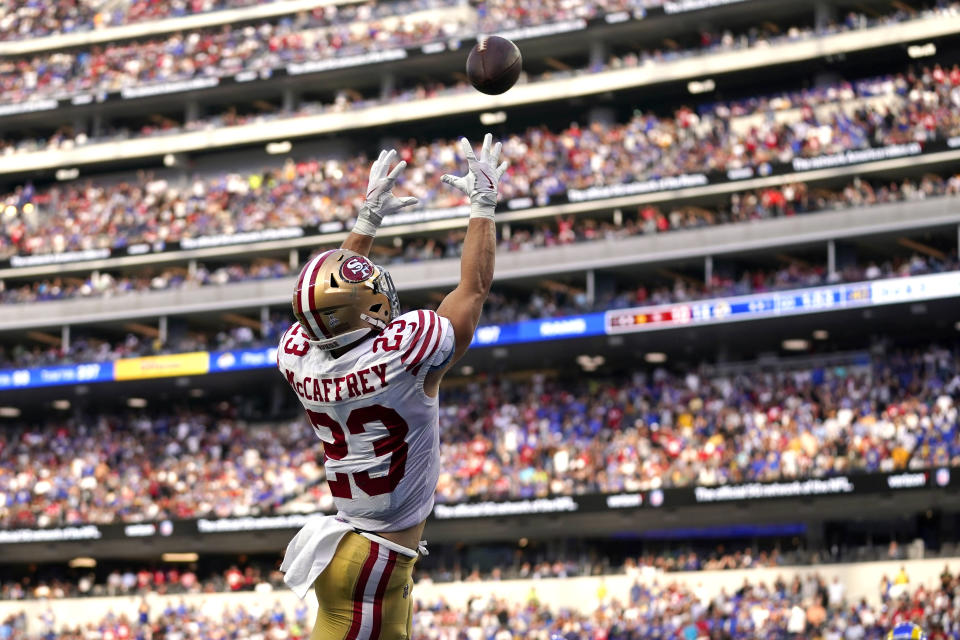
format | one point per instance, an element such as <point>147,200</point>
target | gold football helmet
<point>341,296</point>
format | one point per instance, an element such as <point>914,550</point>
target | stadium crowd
<point>261,574</point>
<point>505,439</point>
<point>68,137</point>
<point>915,107</point>
<point>140,580</point>
<point>502,306</point>
<point>107,469</point>
<point>772,202</point>
<point>790,607</point>
<point>35,18</point>
<point>327,31</point>
<point>106,285</point>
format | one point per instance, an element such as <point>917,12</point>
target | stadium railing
<point>817,227</point>
<point>760,306</point>
<point>609,197</point>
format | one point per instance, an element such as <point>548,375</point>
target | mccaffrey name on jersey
<point>380,430</point>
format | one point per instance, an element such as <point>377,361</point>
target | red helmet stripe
<point>305,306</point>
<point>297,298</point>
<point>311,301</point>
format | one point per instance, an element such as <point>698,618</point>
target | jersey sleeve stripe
<point>428,339</point>
<point>416,337</point>
<point>434,342</point>
<point>437,341</point>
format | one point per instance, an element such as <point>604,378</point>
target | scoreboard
<point>784,303</point>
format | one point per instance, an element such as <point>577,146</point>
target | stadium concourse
<point>714,393</point>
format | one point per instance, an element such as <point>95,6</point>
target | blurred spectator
<point>27,19</point>
<point>743,207</point>
<point>545,163</point>
<point>506,439</point>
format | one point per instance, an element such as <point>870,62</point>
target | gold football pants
<point>364,593</point>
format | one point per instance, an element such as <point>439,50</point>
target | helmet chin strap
<point>343,340</point>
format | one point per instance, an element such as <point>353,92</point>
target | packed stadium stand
<point>715,389</point>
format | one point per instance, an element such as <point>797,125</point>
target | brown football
<point>493,65</point>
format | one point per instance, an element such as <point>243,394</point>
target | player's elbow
<point>477,294</point>
<point>484,282</point>
<point>480,282</point>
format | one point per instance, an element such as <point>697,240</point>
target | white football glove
<point>380,200</point>
<point>481,180</point>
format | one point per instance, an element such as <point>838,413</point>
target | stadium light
<point>67,174</point>
<point>957,326</point>
<point>61,405</point>
<point>136,403</point>
<point>276,148</point>
<point>9,412</point>
<point>821,334</point>
<point>493,117</point>
<point>169,160</point>
<point>922,50</point>
<point>701,86</point>
<point>466,370</point>
<point>179,557</point>
<point>655,357</point>
<point>796,344</point>
<point>82,563</point>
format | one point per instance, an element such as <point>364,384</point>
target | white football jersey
<point>380,431</point>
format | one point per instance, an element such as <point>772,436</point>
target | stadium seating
<point>503,441</point>
<point>79,216</point>
<point>798,604</point>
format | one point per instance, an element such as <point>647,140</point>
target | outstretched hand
<point>379,200</point>
<point>482,178</point>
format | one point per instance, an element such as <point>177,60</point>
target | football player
<point>368,379</point>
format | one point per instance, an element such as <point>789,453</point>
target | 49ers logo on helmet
<point>356,269</point>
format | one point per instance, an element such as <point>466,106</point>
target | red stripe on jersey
<point>359,589</point>
<point>378,597</point>
<point>436,342</point>
<point>416,337</point>
<point>430,339</point>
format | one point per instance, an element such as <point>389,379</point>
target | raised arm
<point>463,305</point>
<point>379,201</point>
